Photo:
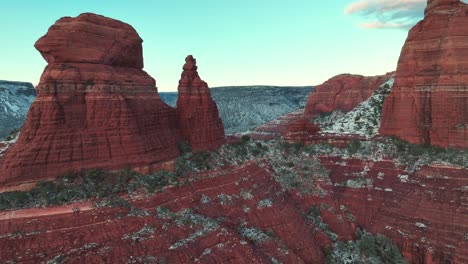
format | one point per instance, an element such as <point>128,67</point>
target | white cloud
<point>385,5</point>
<point>380,25</point>
<point>401,14</point>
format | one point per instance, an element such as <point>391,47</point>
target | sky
<point>242,42</point>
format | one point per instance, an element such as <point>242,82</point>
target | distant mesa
<point>429,101</point>
<point>15,100</point>
<point>97,108</point>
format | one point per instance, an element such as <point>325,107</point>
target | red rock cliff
<point>429,100</point>
<point>342,92</point>
<point>197,113</point>
<point>96,107</point>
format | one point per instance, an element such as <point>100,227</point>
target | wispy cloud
<point>385,14</point>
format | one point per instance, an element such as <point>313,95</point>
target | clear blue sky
<point>242,42</point>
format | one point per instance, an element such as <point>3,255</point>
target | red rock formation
<point>197,113</point>
<point>301,130</point>
<point>96,107</point>
<point>342,92</point>
<point>429,100</point>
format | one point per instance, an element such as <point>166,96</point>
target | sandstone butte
<point>343,92</point>
<point>196,111</point>
<point>97,108</point>
<point>429,100</point>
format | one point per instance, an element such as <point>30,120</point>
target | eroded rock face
<point>96,107</point>
<point>342,92</point>
<point>429,101</point>
<point>197,113</point>
<point>90,38</point>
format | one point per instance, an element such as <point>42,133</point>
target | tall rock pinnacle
<point>197,113</point>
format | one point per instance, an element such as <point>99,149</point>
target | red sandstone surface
<point>105,234</point>
<point>423,213</point>
<point>97,108</point>
<point>197,113</point>
<point>342,92</point>
<point>428,102</point>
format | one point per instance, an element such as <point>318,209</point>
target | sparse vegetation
<point>89,82</point>
<point>13,134</point>
<point>412,156</point>
<point>315,216</point>
<point>93,184</point>
<point>244,139</point>
<point>254,234</point>
<point>145,233</point>
<point>367,248</point>
<point>188,218</point>
<point>184,147</point>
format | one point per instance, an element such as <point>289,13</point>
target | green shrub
<point>367,248</point>
<point>12,134</point>
<point>354,146</point>
<point>314,212</point>
<point>245,138</point>
<point>184,147</point>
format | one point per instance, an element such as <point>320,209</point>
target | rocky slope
<point>96,107</point>
<point>197,113</point>
<point>364,120</point>
<point>342,92</point>
<point>428,104</point>
<point>15,100</point>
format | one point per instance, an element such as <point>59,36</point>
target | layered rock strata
<point>95,108</point>
<point>429,101</point>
